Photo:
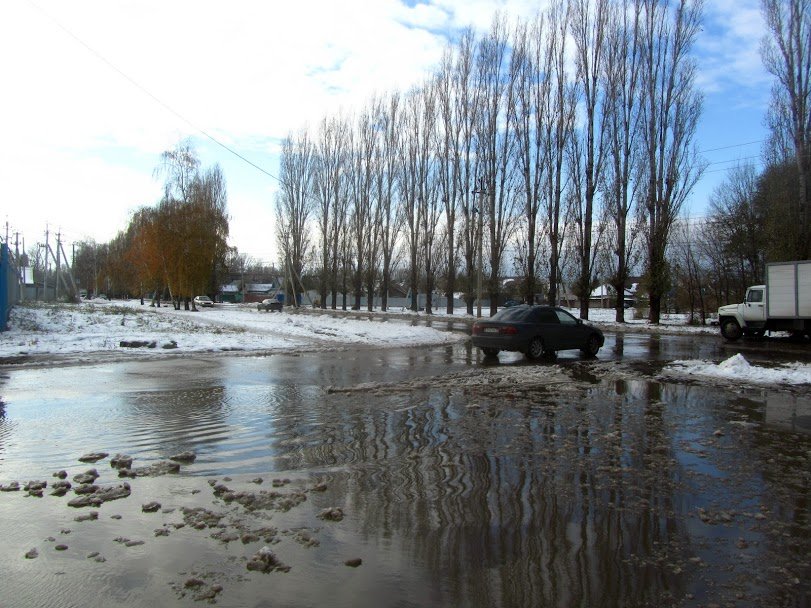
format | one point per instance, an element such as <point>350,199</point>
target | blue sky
<point>82,131</point>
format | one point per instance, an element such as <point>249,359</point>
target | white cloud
<point>729,48</point>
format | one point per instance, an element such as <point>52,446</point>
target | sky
<point>94,91</point>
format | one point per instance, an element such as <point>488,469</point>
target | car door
<point>754,311</point>
<point>572,333</point>
<point>548,327</point>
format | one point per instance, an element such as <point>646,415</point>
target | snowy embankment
<point>738,369</point>
<point>101,326</point>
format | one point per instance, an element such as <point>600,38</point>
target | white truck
<point>782,304</point>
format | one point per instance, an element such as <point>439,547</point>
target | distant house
<point>256,292</point>
<point>253,292</point>
<point>230,293</point>
<point>604,296</point>
<point>397,290</point>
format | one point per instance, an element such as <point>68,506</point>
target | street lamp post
<point>480,190</point>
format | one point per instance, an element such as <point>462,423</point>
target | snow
<point>90,328</point>
<point>738,369</point>
<point>100,326</point>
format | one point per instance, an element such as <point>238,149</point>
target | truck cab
<point>782,304</point>
<point>747,318</point>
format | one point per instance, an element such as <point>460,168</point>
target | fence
<point>438,303</point>
<point>9,286</point>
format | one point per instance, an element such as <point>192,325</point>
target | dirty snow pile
<point>737,368</point>
<point>86,328</point>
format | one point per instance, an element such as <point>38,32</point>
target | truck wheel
<point>730,329</point>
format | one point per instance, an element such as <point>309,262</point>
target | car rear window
<point>544,315</point>
<point>516,313</point>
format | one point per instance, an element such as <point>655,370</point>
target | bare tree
<point>455,109</point>
<point>415,177</point>
<point>361,150</point>
<point>179,168</point>
<point>670,108</point>
<point>532,86</point>
<point>588,26</point>
<point>496,147</point>
<point>430,209</point>
<point>330,200</point>
<point>622,77</point>
<point>387,218</point>
<point>294,204</point>
<point>689,269</point>
<point>739,227</point>
<point>557,109</point>
<point>787,55</point>
<point>464,109</point>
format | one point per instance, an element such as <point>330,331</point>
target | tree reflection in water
<point>520,500</point>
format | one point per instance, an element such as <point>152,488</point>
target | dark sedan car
<point>269,305</point>
<point>535,331</point>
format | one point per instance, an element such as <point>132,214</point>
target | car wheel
<point>592,346</point>
<point>535,350</point>
<point>490,352</point>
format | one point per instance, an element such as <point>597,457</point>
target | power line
<point>748,143</point>
<point>149,94</point>
<point>719,170</point>
<point>732,160</point>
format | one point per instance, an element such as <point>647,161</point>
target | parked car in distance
<point>203,301</point>
<point>511,303</point>
<point>269,305</point>
<point>535,331</point>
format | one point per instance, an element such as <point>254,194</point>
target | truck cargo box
<point>788,290</point>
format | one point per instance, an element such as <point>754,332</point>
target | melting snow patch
<point>737,368</point>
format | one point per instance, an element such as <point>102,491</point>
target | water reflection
<point>516,506</point>
<point>788,412</point>
<point>619,344</point>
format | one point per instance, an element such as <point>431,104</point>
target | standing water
<point>405,479</point>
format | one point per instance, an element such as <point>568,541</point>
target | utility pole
<point>58,263</point>
<point>20,280</point>
<point>45,276</point>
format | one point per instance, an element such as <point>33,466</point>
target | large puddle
<point>589,483</point>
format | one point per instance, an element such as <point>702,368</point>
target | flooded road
<point>460,481</point>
